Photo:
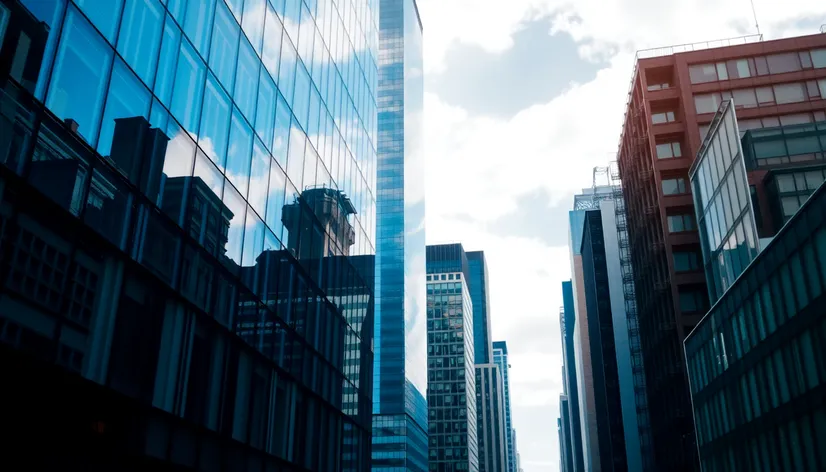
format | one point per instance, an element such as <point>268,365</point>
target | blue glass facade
<point>500,358</point>
<point>204,175</point>
<point>480,296</point>
<point>451,392</point>
<point>569,380</point>
<point>400,373</point>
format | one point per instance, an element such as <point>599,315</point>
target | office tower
<point>490,414</point>
<point>600,326</point>
<point>755,360</point>
<point>480,295</point>
<point>673,98</point>
<point>569,407</point>
<point>400,385</point>
<point>451,391</point>
<point>500,358</point>
<point>187,223</point>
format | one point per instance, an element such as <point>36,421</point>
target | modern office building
<point>400,383</point>
<point>500,358</point>
<point>600,325</point>
<point>187,222</point>
<point>755,361</point>
<point>490,413</point>
<point>672,100</point>
<point>569,406</point>
<point>480,295</point>
<point>451,391</point>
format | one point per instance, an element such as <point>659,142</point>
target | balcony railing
<point>720,43</point>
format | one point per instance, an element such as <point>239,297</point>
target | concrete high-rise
<point>673,98</point>
<point>500,358</point>
<point>400,383</point>
<point>451,392</point>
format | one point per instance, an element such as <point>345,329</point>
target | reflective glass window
<point>295,162</point>
<point>178,163</point>
<point>189,86</point>
<point>789,93</point>
<point>177,8</point>
<point>781,63</point>
<point>81,70</point>
<point>668,150</point>
<point>685,261</point>
<point>281,137</point>
<point>158,116</point>
<point>301,103</point>
<point>745,98</point>
<point>701,73</point>
<point>51,13</point>
<point>104,14</point>
<point>707,103</point>
<point>276,199</point>
<point>235,235</point>
<point>819,57</point>
<point>259,178</point>
<point>272,42</point>
<point>765,96</point>
<point>674,186</point>
<point>140,36</point>
<point>215,122</point>
<point>292,12</point>
<point>265,114</point>
<point>822,84</point>
<point>168,61</point>
<point>198,19</point>
<point>306,36</point>
<point>246,80</point>
<point>127,98</point>
<point>239,153</point>
<point>286,70</point>
<point>253,239</point>
<point>253,24</point>
<point>224,46</point>
<point>237,7</point>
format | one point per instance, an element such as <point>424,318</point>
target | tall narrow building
<point>451,392</point>
<point>187,202</point>
<point>570,391</point>
<point>400,383</point>
<point>480,295</point>
<point>673,97</point>
<point>500,358</point>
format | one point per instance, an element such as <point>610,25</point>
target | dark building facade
<point>490,415</point>
<point>570,407</point>
<point>500,358</point>
<point>400,406</point>
<point>451,392</point>
<point>673,97</point>
<point>178,291</point>
<point>755,361</point>
<point>608,406</point>
<point>480,295</point>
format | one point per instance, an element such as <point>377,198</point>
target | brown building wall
<point>662,325</point>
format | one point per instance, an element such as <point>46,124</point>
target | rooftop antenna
<point>754,12</point>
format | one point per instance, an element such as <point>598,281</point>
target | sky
<point>522,99</point>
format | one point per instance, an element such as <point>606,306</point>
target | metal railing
<point>699,46</point>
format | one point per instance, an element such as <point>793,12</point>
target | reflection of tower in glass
<point>331,209</point>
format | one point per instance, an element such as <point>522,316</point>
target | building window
<point>674,186</point>
<point>702,73</point>
<point>745,98</point>
<point>707,103</point>
<point>819,57</point>
<point>789,93</point>
<point>782,63</point>
<point>664,117</point>
<point>668,150</point>
<point>4,20</point>
<point>680,223</point>
<point>692,301</point>
<point>740,68</point>
<point>822,84</point>
<point>686,261</point>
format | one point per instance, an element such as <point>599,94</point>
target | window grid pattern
<point>757,66</point>
<point>755,361</point>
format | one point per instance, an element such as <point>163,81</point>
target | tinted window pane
<point>265,115</point>
<point>238,155</point>
<point>215,122</point>
<point>198,18</point>
<point>275,199</point>
<point>127,98</point>
<point>235,237</point>
<point>780,63</point>
<point>272,43</point>
<point>51,13</point>
<point>282,131</point>
<point>789,93</point>
<point>259,178</point>
<point>78,83</point>
<point>254,14</point>
<point>104,14</point>
<point>701,73</point>
<point>140,36</point>
<point>189,85</point>
<point>286,71</point>
<point>246,80</point>
<point>168,62</point>
<point>237,7</point>
<point>224,46</point>
<point>819,57</point>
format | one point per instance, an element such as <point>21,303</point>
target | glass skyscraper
<point>500,358</point>
<point>188,224</point>
<point>480,295</point>
<point>400,372</point>
<point>451,392</point>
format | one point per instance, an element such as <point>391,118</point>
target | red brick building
<point>673,96</point>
